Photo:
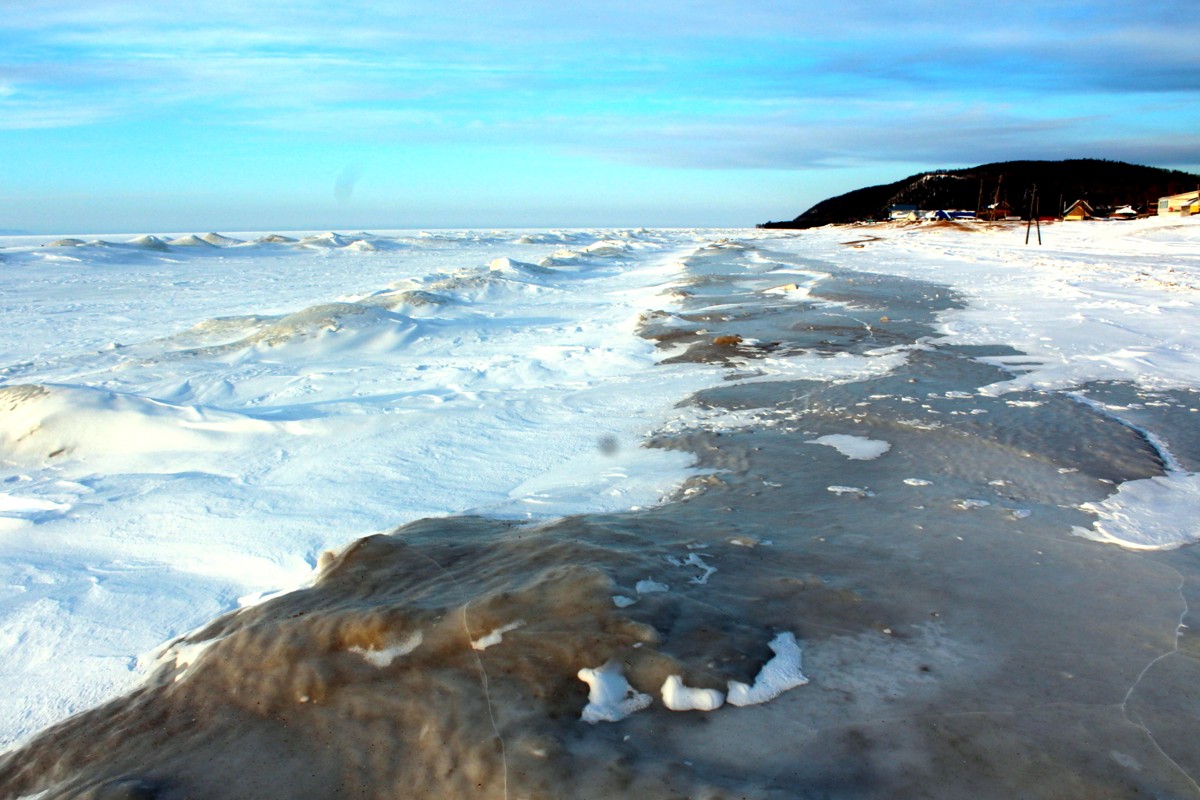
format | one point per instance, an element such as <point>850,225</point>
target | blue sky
<point>230,115</point>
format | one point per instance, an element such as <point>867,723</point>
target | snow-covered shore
<point>186,427</point>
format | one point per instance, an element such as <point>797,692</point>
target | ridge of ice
<point>1159,513</point>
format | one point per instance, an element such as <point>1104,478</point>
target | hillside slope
<point>1059,183</point>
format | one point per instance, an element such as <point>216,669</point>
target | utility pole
<point>1033,216</point>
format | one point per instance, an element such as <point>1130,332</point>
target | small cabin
<point>1124,212</point>
<point>1179,205</point>
<point>1079,210</point>
<point>900,212</point>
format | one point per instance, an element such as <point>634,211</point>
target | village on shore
<point>1186,204</point>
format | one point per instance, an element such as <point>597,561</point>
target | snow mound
<point>39,423</point>
<point>606,248</point>
<point>329,240</point>
<point>327,318</point>
<point>191,240</point>
<point>508,266</point>
<point>149,242</point>
<point>220,240</point>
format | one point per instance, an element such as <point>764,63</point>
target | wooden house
<point>1079,210</point>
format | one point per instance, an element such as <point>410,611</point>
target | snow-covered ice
<point>188,422</point>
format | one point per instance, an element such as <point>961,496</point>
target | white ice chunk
<point>621,601</point>
<point>777,676</point>
<point>854,490</point>
<point>969,504</point>
<point>694,560</point>
<point>917,482</point>
<point>649,587</point>
<point>384,658</point>
<point>611,698</point>
<point>859,448</point>
<point>1159,513</point>
<point>678,697</point>
<point>496,636</point>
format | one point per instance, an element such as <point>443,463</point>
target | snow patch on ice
<point>384,658</point>
<point>857,491</point>
<point>495,637</point>
<point>859,448</point>
<point>610,697</point>
<point>777,676</point>
<point>1159,513</point>
<point>678,697</point>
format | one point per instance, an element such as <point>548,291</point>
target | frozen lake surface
<point>903,511</point>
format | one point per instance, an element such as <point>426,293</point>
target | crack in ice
<point>1138,723</point>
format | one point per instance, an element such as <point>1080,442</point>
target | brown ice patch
<point>372,683</point>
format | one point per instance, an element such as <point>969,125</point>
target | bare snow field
<point>715,513</point>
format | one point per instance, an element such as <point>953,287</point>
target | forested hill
<point>1102,183</point>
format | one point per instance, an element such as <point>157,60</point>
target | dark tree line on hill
<point>1103,184</point>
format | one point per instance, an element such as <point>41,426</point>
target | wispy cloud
<point>712,85</point>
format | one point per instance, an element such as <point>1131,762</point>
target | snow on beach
<point>188,422</point>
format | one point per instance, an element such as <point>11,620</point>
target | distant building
<point>1124,212</point>
<point>1079,210</point>
<point>945,214</point>
<point>898,212</point>
<point>1179,205</point>
<point>996,211</point>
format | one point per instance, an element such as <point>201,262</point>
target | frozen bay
<point>173,453</point>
